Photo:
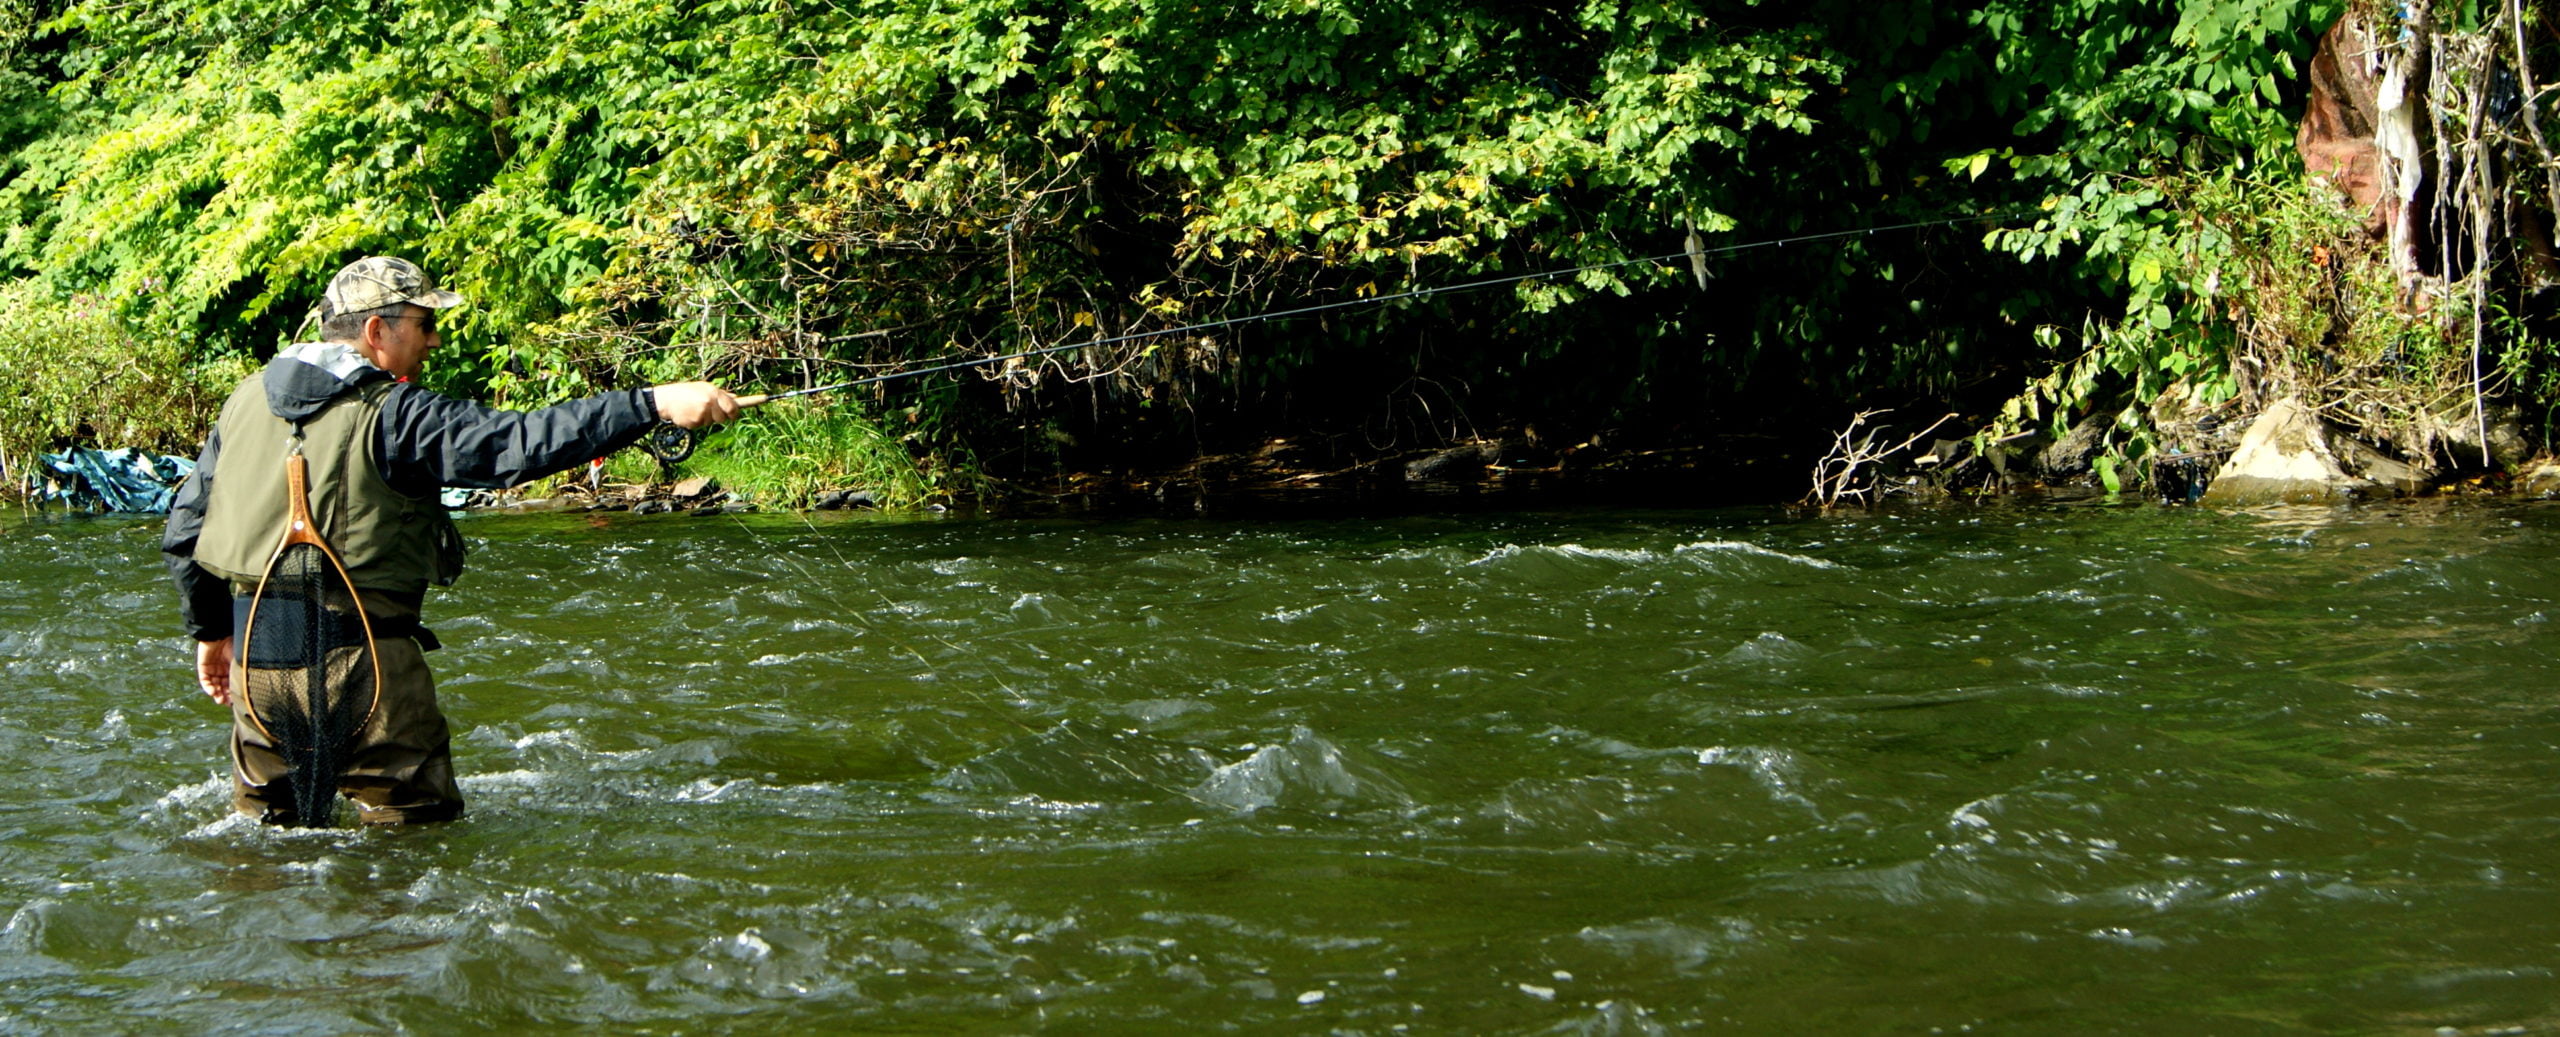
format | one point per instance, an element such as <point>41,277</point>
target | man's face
<point>400,343</point>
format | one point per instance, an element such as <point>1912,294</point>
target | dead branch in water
<point>1838,475</point>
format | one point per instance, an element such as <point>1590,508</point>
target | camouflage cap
<point>377,281</point>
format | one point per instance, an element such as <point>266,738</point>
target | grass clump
<point>788,454</point>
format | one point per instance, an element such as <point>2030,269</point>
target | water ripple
<point>1582,773</point>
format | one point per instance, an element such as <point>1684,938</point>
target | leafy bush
<point>80,378</point>
<point>780,194</point>
<point>2250,290</point>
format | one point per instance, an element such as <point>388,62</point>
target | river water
<point>2022,767</point>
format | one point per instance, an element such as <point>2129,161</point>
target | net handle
<point>300,529</point>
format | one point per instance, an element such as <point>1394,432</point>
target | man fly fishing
<point>311,635</point>
<point>334,430</point>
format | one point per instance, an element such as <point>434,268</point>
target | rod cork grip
<point>756,400</point>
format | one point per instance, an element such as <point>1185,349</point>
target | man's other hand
<point>213,669</point>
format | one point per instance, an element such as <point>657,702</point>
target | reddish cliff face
<point>2338,122</point>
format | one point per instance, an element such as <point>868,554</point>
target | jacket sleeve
<point>431,440</point>
<point>204,600</point>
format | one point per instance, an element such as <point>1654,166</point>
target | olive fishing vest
<point>387,540</point>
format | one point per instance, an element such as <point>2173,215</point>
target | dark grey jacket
<point>427,441</point>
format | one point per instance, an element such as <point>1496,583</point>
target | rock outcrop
<point>2541,479</point>
<point>2289,454</point>
<point>2285,457</point>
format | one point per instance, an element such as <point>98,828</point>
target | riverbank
<point>1516,470</point>
<point>2281,453</point>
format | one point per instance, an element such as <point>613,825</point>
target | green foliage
<point>82,379</point>
<point>2527,365</point>
<point>2126,91</point>
<point>2055,115</point>
<point>2318,315</point>
<point>2251,289</point>
<point>2136,107</point>
<point>785,194</point>
<point>2179,271</point>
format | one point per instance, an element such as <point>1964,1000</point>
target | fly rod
<point>671,443</point>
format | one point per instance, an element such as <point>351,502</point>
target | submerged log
<point>1461,462</point>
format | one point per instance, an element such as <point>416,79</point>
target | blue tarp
<point>111,480</point>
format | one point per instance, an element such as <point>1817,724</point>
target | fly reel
<point>670,442</point>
